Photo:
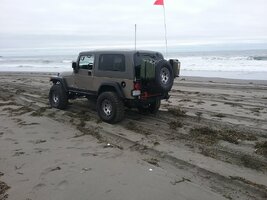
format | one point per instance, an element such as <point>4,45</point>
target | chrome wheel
<point>107,107</point>
<point>55,97</point>
<point>165,75</point>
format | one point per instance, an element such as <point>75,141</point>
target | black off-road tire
<point>149,108</point>
<point>110,107</point>
<point>154,107</point>
<point>164,75</point>
<point>58,97</point>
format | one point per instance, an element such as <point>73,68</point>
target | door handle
<point>89,72</point>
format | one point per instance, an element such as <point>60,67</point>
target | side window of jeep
<point>86,62</point>
<point>112,62</point>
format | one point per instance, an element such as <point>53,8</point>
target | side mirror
<point>74,67</point>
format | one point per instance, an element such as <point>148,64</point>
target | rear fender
<point>111,86</point>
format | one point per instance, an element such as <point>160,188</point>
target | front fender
<point>56,80</point>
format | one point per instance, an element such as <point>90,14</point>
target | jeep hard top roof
<point>129,52</point>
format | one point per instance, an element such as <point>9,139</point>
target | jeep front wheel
<point>58,97</point>
<point>110,107</point>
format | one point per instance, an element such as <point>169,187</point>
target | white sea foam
<point>242,65</point>
<point>66,61</point>
<point>234,64</point>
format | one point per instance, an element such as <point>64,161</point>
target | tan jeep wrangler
<point>136,79</point>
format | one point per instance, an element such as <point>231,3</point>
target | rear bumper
<point>145,99</point>
<point>146,96</point>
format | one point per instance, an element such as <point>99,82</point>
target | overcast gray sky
<point>99,22</point>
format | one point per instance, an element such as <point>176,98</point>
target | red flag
<point>159,2</point>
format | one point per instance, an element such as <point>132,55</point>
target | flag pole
<point>135,37</point>
<point>161,3</point>
<point>165,26</point>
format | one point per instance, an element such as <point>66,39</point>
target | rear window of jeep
<point>112,62</point>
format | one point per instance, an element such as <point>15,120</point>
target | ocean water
<point>251,64</point>
<point>36,63</point>
<point>225,64</point>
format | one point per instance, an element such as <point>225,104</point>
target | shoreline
<point>196,78</point>
<point>242,64</point>
<point>240,75</point>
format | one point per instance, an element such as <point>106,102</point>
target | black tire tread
<point>153,108</point>
<point>63,98</point>
<point>118,103</point>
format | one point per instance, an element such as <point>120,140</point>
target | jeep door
<point>84,77</point>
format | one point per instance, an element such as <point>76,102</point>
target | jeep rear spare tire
<point>58,97</point>
<point>110,107</point>
<point>164,75</point>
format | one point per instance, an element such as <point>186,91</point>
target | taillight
<point>137,89</point>
<point>137,86</point>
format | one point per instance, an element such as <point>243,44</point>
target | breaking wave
<point>235,58</point>
<point>191,63</point>
<point>258,57</point>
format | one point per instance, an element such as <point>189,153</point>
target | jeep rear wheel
<point>58,97</point>
<point>110,107</point>
<point>152,107</point>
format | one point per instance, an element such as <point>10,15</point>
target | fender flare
<point>116,86</point>
<point>56,79</point>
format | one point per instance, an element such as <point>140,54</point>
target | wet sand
<point>209,141</point>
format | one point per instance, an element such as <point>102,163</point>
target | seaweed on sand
<point>211,136</point>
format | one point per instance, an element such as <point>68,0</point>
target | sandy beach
<point>208,141</point>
